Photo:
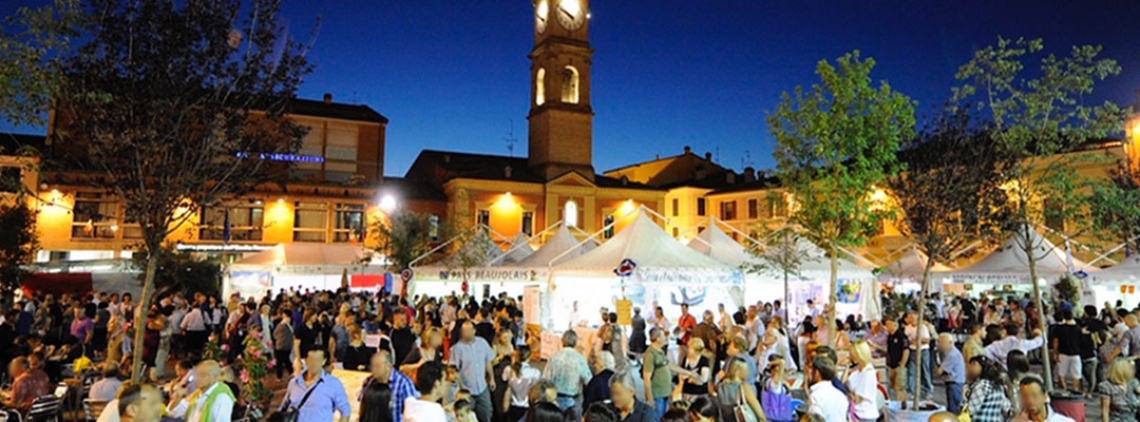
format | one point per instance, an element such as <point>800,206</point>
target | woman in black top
<point>308,334</point>
<point>697,371</point>
<point>357,356</point>
<point>374,403</point>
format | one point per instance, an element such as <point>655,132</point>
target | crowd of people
<point>460,359</point>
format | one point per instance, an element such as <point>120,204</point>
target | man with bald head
<point>139,403</point>
<point>212,401</point>
<point>943,417</point>
<point>472,355</point>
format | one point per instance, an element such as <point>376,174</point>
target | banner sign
<point>689,277</point>
<point>490,274</point>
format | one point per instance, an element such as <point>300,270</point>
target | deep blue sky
<point>668,73</point>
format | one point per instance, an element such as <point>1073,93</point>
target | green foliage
<point>406,236</point>
<point>214,349</point>
<point>1069,289</point>
<point>180,271</point>
<point>1115,213</point>
<point>32,44</point>
<point>18,243</point>
<point>255,365</point>
<point>834,143</point>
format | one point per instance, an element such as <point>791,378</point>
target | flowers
<point>255,364</point>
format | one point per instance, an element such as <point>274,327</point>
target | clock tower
<point>561,120</point>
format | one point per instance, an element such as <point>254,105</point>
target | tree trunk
<point>920,315</point>
<point>141,312</point>
<point>1045,363</point>
<point>831,334</point>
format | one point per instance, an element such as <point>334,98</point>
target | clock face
<point>570,14</point>
<point>541,13</point>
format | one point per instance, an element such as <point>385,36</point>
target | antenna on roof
<point>746,160</point>
<point>510,139</point>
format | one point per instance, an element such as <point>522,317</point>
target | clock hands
<point>566,12</point>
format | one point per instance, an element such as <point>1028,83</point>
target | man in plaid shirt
<point>985,397</point>
<point>400,385</point>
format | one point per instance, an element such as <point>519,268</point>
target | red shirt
<point>28,386</point>
<point>686,324</point>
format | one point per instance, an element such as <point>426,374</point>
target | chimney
<point>328,98</point>
<point>688,150</point>
<point>708,157</point>
<point>749,175</point>
<point>730,177</point>
<point>507,171</point>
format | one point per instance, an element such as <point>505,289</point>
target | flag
<point>226,227</point>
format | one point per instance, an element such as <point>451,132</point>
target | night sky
<point>453,74</point>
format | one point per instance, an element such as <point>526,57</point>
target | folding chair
<point>45,409</point>
<point>93,408</point>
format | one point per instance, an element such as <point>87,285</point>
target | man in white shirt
<point>824,399</point>
<point>426,408</point>
<point>193,327</point>
<point>1035,403</point>
<point>998,350</point>
<point>212,402</point>
<point>105,389</point>
<point>920,349</point>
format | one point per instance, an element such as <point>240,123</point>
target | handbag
<point>289,413</point>
<point>742,411</point>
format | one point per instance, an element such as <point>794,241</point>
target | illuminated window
<point>310,221</point>
<point>609,221</point>
<point>701,207</point>
<point>570,214</point>
<point>540,87</point>
<point>245,222</point>
<point>485,218</point>
<point>95,216</point>
<point>349,223</point>
<point>728,210</point>
<point>528,223</point>
<point>570,85</point>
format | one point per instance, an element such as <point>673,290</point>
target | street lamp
<point>388,204</point>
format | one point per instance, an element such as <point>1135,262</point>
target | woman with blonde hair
<point>734,390</point>
<point>1119,401</point>
<point>862,382</point>
<point>697,369</point>
<point>431,341</point>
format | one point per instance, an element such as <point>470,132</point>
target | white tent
<point>1008,264</point>
<point>483,271</point>
<point>716,244</point>
<point>667,274</point>
<point>909,268</point>
<point>1117,282</point>
<point>319,266</point>
<point>557,245</point>
<point>812,281</point>
<point>520,250</point>
<point>1126,271</point>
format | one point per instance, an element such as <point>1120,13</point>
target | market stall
<point>857,287</point>
<point>1118,282</point>
<point>475,268</point>
<point>661,272</point>
<point>315,266</point>
<point>905,273</point>
<point>1007,268</point>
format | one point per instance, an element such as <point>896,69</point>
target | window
<point>485,218</point>
<point>676,232</point>
<point>753,208</point>
<point>10,179</point>
<point>570,214</point>
<point>701,207</point>
<point>310,221</point>
<point>540,87</point>
<point>433,230</point>
<point>728,210</point>
<point>1054,214</point>
<point>570,85</point>
<point>528,223</point>
<point>609,223</point>
<point>349,223</point>
<point>245,222</point>
<point>676,205</point>
<point>95,216</point>
<point>777,206</point>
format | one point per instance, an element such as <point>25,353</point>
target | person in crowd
<point>1120,393</point>
<point>704,410</point>
<point>472,356</point>
<point>430,350</point>
<point>986,400</point>
<point>426,407</point>
<point>283,345</point>
<point>735,390</point>
<point>656,375</point>
<point>697,371</point>
<point>1093,332</point>
<point>953,372</point>
<point>623,397</point>
<point>598,389</point>
<point>999,350</point>
<point>685,325</point>
<point>376,403</point>
<point>403,338</point>
<point>1066,346</point>
<point>862,382</point>
<point>105,389</point>
<point>1017,364</point>
<point>139,403</point>
<point>26,385</point>
<point>327,392</point>
<point>519,377</point>
<point>1035,403</point>
<point>211,401</point>
<point>898,354</point>
<point>602,412</point>
<point>920,338</point>
<point>973,345</point>
<point>194,329</point>
<point>570,373</point>
<point>637,338</point>
<point>399,388</point>
<point>824,399</point>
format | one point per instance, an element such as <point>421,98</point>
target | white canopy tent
<point>716,244</point>
<point>520,250</point>
<point>908,269</point>
<point>1117,282</point>
<point>485,271</point>
<point>561,244</point>
<point>1009,265</point>
<point>320,266</point>
<point>667,274</point>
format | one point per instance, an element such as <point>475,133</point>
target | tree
<point>1114,212</point>
<point>407,236</point>
<point>782,255</point>
<point>1038,122</point>
<point>949,196</point>
<point>17,243</point>
<point>180,272</point>
<point>32,44</point>
<point>834,143</point>
<point>177,106</point>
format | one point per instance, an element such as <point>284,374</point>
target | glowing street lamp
<point>388,204</point>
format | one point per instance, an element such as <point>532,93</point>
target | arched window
<point>570,214</point>
<point>570,85</point>
<point>540,87</point>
